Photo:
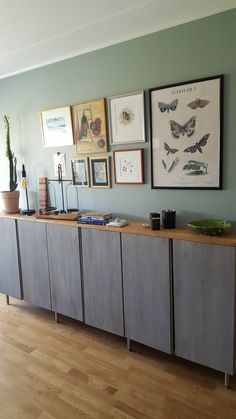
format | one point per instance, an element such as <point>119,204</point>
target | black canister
<point>154,220</point>
<point>168,218</point>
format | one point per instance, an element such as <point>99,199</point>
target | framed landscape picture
<point>57,127</point>
<point>186,134</point>
<point>126,118</point>
<point>99,172</point>
<point>89,121</point>
<point>128,166</point>
<point>80,173</point>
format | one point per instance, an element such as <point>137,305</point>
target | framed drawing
<point>56,127</point>
<point>89,121</point>
<point>128,166</point>
<point>59,161</point>
<point>80,173</point>
<point>126,118</point>
<point>99,172</point>
<point>186,134</point>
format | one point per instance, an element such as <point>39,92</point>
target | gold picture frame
<point>90,129</point>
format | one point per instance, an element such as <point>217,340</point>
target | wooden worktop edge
<point>136,227</point>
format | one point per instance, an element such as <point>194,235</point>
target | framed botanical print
<point>80,172</point>
<point>128,166</point>
<point>99,172</point>
<point>126,118</point>
<point>57,127</point>
<point>186,134</point>
<point>89,121</point>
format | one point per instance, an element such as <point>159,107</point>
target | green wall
<point>194,50</point>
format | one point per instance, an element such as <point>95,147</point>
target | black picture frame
<point>99,172</point>
<point>186,128</point>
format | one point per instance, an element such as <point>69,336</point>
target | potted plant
<point>10,199</point>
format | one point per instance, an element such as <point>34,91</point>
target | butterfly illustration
<point>172,166</point>
<point>164,164</point>
<point>198,146</point>
<point>196,167</point>
<point>198,103</point>
<point>168,106</point>
<point>170,150</point>
<point>188,128</point>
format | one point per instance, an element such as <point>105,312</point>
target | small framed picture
<point>80,172</point>
<point>57,127</point>
<point>126,118</point>
<point>128,166</point>
<point>186,134</point>
<point>99,172</point>
<point>59,160</point>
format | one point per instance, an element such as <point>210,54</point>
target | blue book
<point>89,221</point>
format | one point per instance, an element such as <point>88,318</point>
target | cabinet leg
<point>129,345</point>
<point>7,300</point>
<point>57,317</point>
<point>226,380</point>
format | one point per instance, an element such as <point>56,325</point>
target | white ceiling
<point>34,33</point>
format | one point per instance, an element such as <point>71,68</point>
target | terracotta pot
<point>10,201</point>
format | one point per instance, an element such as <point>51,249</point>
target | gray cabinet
<point>147,291</point>
<point>146,288</point>
<point>103,306</point>
<point>64,269</point>
<point>204,301</point>
<point>9,264</point>
<point>34,263</point>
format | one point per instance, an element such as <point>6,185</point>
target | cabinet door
<point>64,269</point>
<point>34,263</point>
<point>204,301</point>
<point>147,294</point>
<point>9,265</point>
<point>103,306</point>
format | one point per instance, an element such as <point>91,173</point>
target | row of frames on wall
<point>85,125</point>
<point>186,136</point>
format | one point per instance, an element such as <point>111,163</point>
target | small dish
<point>209,227</point>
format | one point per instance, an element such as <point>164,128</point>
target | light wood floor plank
<point>71,371</point>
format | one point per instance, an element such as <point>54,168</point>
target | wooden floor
<point>68,371</point>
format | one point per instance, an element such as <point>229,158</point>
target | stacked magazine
<point>94,217</point>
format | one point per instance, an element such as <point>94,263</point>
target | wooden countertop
<point>136,227</point>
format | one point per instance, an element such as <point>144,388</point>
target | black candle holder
<point>168,218</point>
<point>154,218</point>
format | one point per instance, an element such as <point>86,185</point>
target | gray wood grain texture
<point>34,263</point>
<point>103,303</point>
<point>147,300</point>
<point>204,295</point>
<point>10,282</point>
<point>64,270</point>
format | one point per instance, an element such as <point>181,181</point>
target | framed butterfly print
<point>186,134</point>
